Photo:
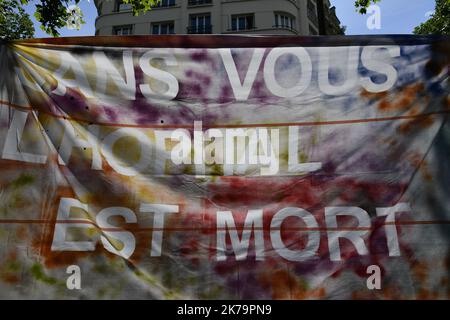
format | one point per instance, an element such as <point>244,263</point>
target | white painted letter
<point>311,247</point>
<point>167,78</point>
<point>242,90</point>
<point>59,237</point>
<point>355,236</point>
<point>270,76</point>
<point>109,238</point>
<point>372,60</point>
<point>105,70</point>
<point>225,220</point>
<point>391,228</point>
<point>159,210</point>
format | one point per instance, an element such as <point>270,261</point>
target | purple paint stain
<point>314,267</point>
<point>225,94</point>
<point>185,113</point>
<point>377,238</point>
<point>241,278</point>
<point>328,167</point>
<point>206,80</point>
<point>144,111</point>
<point>110,114</point>
<point>199,55</point>
<point>210,118</point>
<point>248,286</point>
<point>197,87</point>
<point>72,102</point>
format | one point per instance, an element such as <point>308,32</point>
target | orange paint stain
<point>420,271</point>
<point>384,105</point>
<point>405,99</point>
<point>362,295</point>
<point>373,95</point>
<point>418,162</point>
<point>10,278</point>
<point>424,294</point>
<point>22,232</point>
<point>8,275</point>
<point>286,286</point>
<point>417,123</point>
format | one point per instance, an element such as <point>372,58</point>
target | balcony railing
<point>283,26</point>
<point>200,30</point>
<point>165,4</point>
<point>198,2</point>
<point>242,30</point>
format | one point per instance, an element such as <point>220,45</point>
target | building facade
<point>282,17</point>
<point>329,23</point>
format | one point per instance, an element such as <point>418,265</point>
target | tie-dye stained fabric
<point>218,167</point>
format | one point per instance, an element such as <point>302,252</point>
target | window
<point>123,30</point>
<point>198,2</point>
<point>312,12</point>
<point>165,3</point>
<point>121,6</point>
<point>284,20</point>
<point>163,28</point>
<point>242,22</point>
<point>200,24</point>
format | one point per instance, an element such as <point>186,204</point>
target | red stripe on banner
<point>243,125</point>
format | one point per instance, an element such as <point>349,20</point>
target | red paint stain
<point>7,275</point>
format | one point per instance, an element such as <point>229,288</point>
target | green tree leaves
<point>362,5</point>
<point>15,23</point>
<point>141,6</point>
<point>439,23</point>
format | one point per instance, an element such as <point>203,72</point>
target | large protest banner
<point>218,167</point>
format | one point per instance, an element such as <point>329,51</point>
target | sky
<point>396,17</point>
